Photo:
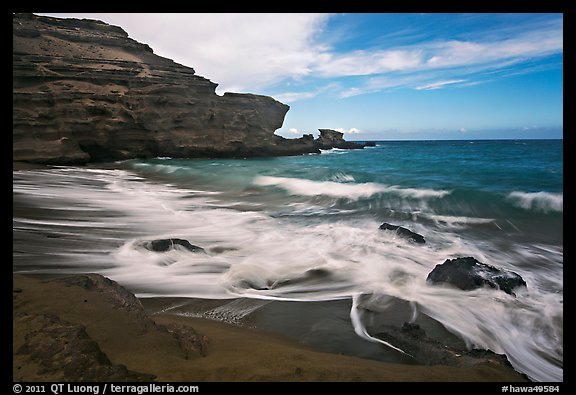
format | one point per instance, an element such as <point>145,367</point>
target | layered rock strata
<point>83,91</point>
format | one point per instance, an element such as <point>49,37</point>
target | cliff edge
<point>83,91</point>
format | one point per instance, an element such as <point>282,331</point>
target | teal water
<point>269,224</point>
<point>513,185</point>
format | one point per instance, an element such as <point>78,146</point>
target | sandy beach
<point>217,352</point>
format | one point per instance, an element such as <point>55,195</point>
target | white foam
<point>454,221</point>
<point>252,254</point>
<point>337,151</point>
<point>538,201</point>
<point>352,191</point>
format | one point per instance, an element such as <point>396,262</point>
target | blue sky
<point>377,76</point>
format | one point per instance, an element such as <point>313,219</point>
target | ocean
<point>306,229</point>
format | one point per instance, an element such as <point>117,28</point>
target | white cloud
<point>437,85</point>
<point>294,131</point>
<point>367,62</point>
<point>524,46</point>
<point>289,97</point>
<point>348,131</point>
<point>355,91</point>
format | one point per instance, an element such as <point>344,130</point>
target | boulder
<point>116,295</point>
<point>64,351</point>
<point>163,245</point>
<point>427,351</point>
<point>403,232</point>
<point>467,274</point>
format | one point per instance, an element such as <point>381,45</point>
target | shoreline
<point>170,347</point>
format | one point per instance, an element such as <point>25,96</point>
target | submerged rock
<point>467,274</point>
<point>403,232</point>
<point>163,245</point>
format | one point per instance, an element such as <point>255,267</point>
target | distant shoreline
<point>445,140</point>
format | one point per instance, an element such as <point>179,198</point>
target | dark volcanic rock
<point>467,274</point>
<point>163,245</point>
<point>71,340</point>
<point>329,139</point>
<point>83,91</point>
<point>118,297</point>
<point>370,144</point>
<point>64,349</point>
<point>403,232</point>
<point>426,351</point>
<point>190,341</point>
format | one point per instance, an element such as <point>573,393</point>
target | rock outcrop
<point>163,245</point>
<point>83,91</point>
<point>87,327</point>
<point>66,352</point>
<point>118,297</point>
<point>403,232</point>
<point>427,351</point>
<point>329,139</point>
<point>467,274</point>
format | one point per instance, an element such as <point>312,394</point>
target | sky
<point>377,76</point>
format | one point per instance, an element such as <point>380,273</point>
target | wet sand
<point>229,353</point>
<point>17,166</point>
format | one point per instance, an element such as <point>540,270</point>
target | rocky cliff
<point>83,91</point>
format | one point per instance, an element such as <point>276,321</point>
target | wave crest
<point>303,187</point>
<point>538,201</point>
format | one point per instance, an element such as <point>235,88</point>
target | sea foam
<point>538,201</point>
<point>352,191</point>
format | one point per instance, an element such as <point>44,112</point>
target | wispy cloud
<point>289,97</point>
<point>348,131</point>
<point>366,62</point>
<point>438,85</point>
<point>441,54</point>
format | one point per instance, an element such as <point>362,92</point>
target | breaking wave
<point>538,201</point>
<point>352,191</point>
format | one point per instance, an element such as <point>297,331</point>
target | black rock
<point>370,144</point>
<point>329,139</point>
<point>467,274</point>
<point>163,245</point>
<point>403,232</point>
<point>427,351</point>
<point>118,296</point>
<point>66,351</point>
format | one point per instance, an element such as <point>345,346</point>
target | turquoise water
<point>268,224</point>
<point>514,185</point>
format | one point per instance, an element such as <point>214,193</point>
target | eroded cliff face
<point>83,91</point>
